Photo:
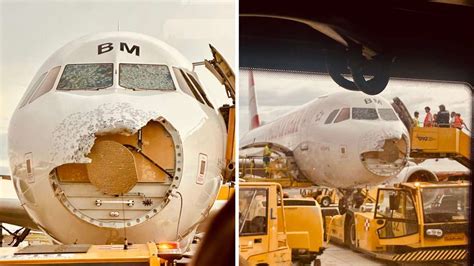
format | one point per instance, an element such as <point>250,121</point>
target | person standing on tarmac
<point>442,118</point>
<point>428,122</point>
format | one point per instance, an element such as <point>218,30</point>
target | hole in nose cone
<point>389,160</point>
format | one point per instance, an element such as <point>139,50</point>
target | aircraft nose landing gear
<point>351,199</point>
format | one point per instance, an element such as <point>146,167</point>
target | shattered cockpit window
<point>364,113</point>
<point>86,77</point>
<point>145,77</point>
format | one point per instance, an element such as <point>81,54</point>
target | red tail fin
<point>253,111</point>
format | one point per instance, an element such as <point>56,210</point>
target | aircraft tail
<point>253,111</point>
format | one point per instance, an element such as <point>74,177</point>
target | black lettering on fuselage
<point>104,48</point>
<point>372,100</point>
<point>108,46</point>
<point>124,47</point>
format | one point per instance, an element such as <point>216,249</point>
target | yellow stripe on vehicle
<point>460,255</point>
<point>435,255</point>
<point>449,254</point>
<point>412,255</point>
<point>427,255</point>
<point>420,255</point>
<point>415,254</point>
<point>400,257</point>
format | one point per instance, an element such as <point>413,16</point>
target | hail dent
<point>75,135</point>
<point>375,140</point>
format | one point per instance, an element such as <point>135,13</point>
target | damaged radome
<point>389,157</point>
<point>75,135</point>
<point>128,178</point>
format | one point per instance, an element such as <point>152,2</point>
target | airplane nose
<point>388,156</point>
<point>134,165</point>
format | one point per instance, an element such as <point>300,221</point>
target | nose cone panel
<point>112,169</point>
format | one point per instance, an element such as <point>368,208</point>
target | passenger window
<point>343,115</point>
<point>33,89</point>
<point>331,116</point>
<point>47,84</point>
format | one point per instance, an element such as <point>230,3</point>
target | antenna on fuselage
<point>118,25</point>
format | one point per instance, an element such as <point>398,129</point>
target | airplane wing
<point>12,212</point>
<point>275,147</point>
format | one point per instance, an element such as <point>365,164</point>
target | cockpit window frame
<point>198,86</point>
<point>47,84</point>
<point>33,89</point>
<point>392,112</point>
<point>341,117</point>
<point>185,85</point>
<point>193,85</point>
<point>332,115</point>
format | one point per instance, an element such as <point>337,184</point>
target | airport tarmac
<point>336,255</point>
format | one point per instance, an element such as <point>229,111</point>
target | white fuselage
<point>330,153</point>
<point>60,127</point>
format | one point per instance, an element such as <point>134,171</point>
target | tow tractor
<point>275,230</point>
<point>410,222</point>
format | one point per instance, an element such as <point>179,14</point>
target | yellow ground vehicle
<point>411,222</point>
<point>270,234</point>
<point>138,254</point>
<point>281,169</point>
<point>323,195</point>
<point>438,142</point>
<point>304,229</point>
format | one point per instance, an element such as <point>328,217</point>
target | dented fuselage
<point>115,132</point>
<point>340,140</point>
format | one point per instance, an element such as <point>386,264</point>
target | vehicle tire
<point>342,206</point>
<point>325,202</point>
<point>317,262</point>
<point>352,234</point>
<point>300,263</point>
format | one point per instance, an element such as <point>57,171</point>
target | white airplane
<point>341,140</point>
<point>115,138</point>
